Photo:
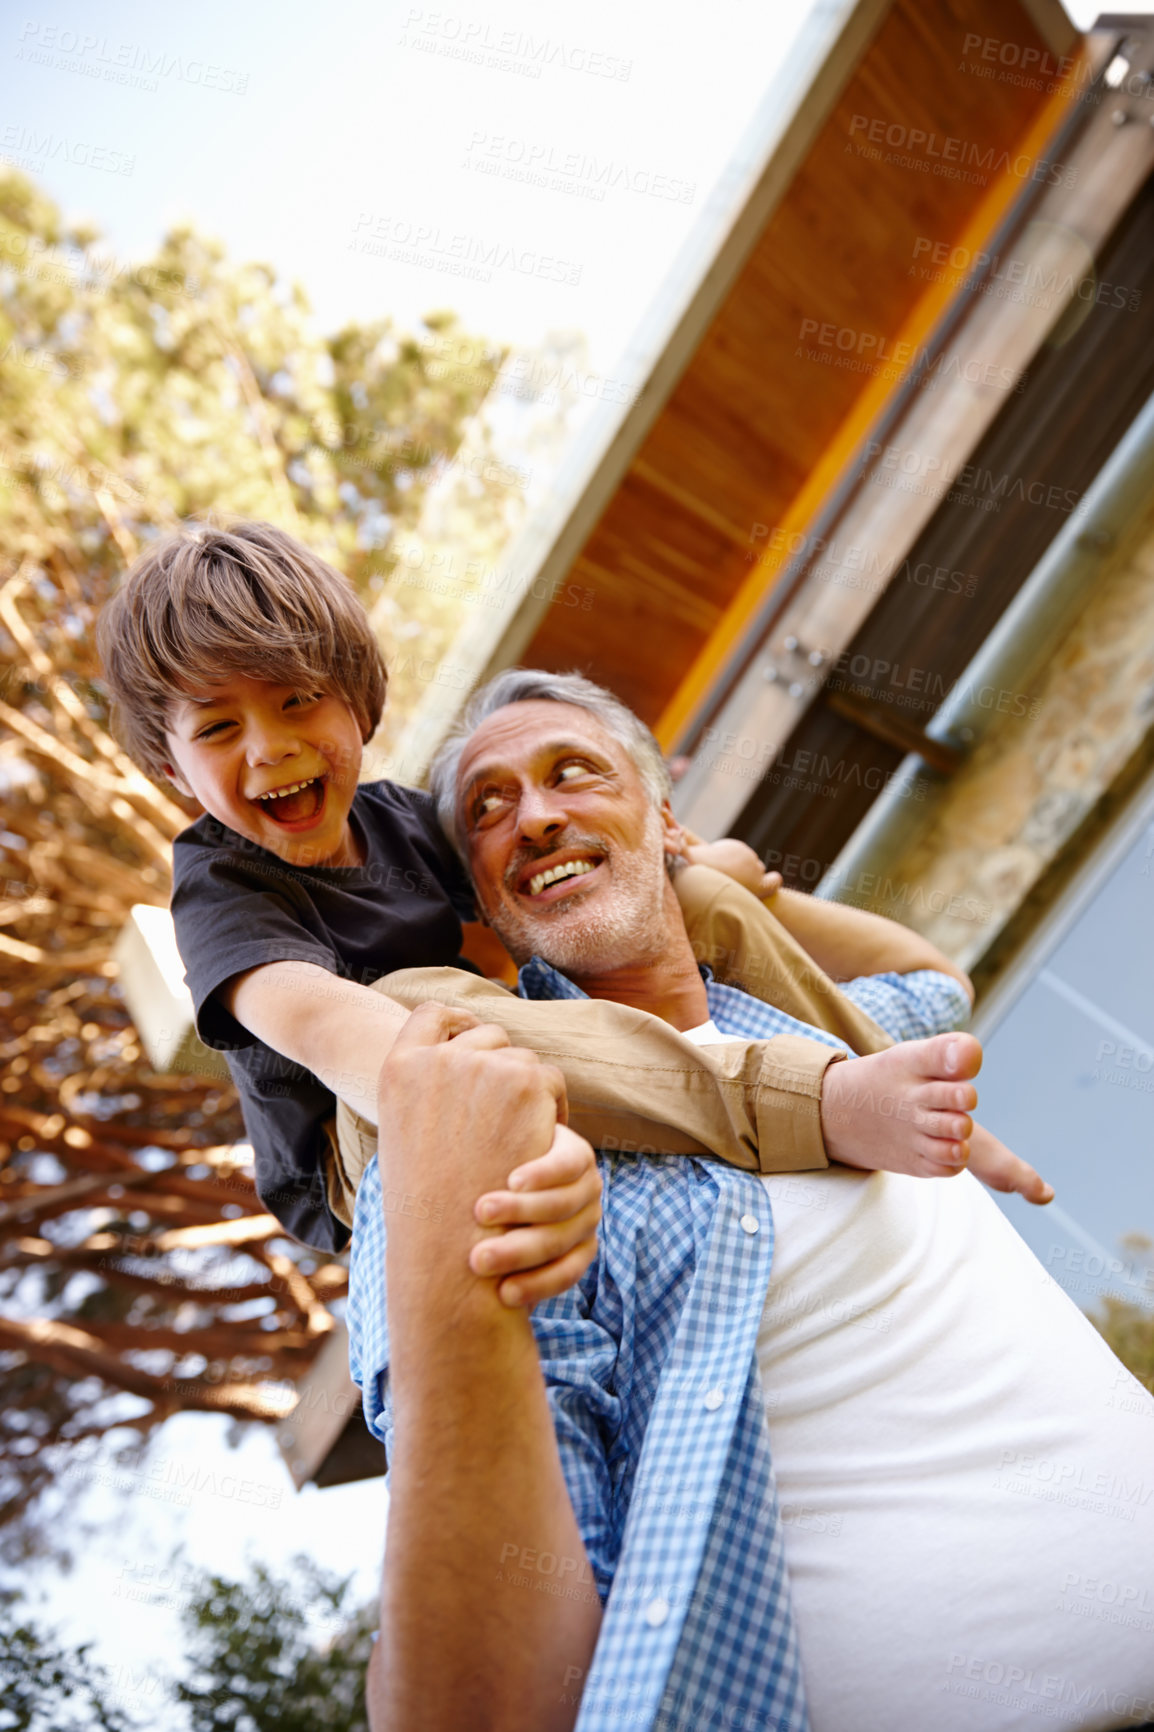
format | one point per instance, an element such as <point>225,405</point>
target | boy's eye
<point>298,698</point>
<point>212,728</point>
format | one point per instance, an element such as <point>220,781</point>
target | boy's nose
<point>269,743</point>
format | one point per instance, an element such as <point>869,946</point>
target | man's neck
<point>670,987</point>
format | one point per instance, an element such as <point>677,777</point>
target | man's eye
<point>568,771</point>
<point>487,803</point>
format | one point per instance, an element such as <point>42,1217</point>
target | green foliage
<point>48,1688</point>
<point>1129,1328</point>
<point>132,396</point>
<point>276,1654</point>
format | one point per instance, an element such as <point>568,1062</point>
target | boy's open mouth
<point>296,803</point>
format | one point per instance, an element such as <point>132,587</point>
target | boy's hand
<point>550,1214</point>
<point>993,1163</point>
<point>738,861</point>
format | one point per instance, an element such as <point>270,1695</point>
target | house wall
<point>1040,788</point>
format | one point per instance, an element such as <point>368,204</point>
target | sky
<point>374,152</point>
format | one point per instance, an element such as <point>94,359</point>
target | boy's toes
<point>942,1157</point>
<point>951,1127</point>
<point>961,1056</point>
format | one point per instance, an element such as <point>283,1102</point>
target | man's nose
<point>540,815</point>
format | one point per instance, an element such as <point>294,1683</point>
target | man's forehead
<point>536,727</point>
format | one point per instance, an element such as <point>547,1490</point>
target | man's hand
<point>737,860</point>
<point>457,1102</point>
<point>550,1212</point>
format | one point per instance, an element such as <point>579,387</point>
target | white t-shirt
<point>965,1470</point>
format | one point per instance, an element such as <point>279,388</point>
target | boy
<point>244,671</point>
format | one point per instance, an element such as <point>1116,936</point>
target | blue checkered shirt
<point>650,1365</point>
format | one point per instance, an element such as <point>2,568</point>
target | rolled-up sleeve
<point>912,1006</point>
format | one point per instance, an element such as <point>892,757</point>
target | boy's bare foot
<point>996,1166</point>
<point>905,1110</point>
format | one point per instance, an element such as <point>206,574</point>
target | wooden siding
<point>752,415</point>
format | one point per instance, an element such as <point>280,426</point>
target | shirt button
<point>656,1613</point>
<point>750,1224</point>
<point>714,1399</point>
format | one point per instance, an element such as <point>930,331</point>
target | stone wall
<point>1031,790</point>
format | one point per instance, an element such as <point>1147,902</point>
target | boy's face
<point>277,765</point>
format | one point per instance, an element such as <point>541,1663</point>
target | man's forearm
<point>849,942</point>
<point>476,1488</point>
<point>475,1482</point>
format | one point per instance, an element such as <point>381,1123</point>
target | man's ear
<point>173,775</point>
<point>673,836</point>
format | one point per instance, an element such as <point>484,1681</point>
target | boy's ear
<point>173,775</point>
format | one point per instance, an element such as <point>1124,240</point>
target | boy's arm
<point>845,942</point>
<point>635,1083</point>
<point>339,1030</point>
<point>848,942</point>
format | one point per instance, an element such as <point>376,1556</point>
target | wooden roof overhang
<point>803,325</point>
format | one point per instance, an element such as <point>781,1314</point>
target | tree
<point>139,1273</point>
<point>276,1654</point>
<point>1127,1327</point>
<point>48,1688</point>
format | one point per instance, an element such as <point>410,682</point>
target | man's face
<point>566,848</point>
<point>277,765</point>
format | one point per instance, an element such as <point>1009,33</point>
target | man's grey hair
<point>519,686</point>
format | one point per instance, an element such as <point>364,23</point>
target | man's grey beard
<point>620,925</point>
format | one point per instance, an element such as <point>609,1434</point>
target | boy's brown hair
<point>247,599</point>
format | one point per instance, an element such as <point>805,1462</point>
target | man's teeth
<point>571,869</point>
<point>279,793</point>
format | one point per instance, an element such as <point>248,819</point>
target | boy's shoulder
<point>380,805</point>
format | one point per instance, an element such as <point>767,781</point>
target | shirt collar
<point>539,979</point>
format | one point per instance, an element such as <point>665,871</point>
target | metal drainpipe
<point>1024,638</point>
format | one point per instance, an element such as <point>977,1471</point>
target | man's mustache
<point>574,841</point>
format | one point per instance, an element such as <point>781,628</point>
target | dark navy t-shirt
<point>237,906</point>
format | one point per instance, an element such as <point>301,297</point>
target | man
<point>950,1476</point>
